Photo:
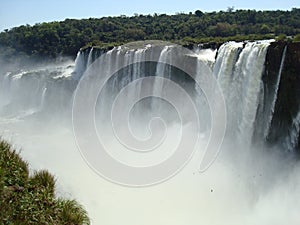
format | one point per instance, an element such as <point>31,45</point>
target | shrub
<point>43,179</point>
<point>30,200</point>
<point>281,37</point>
<point>296,38</point>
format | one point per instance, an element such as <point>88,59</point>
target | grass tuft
<point>30,200</point>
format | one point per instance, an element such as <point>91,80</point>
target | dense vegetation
<point>31,200</point>
<point>68,36</point>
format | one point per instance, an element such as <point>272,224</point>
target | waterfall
<point>37,108</point>
<point>80,65</point>
<point>90,58</point>
<point>5,89</point>
<point>138,68</point>
<point>272,108</point>
<point>250,69</point>
<point>225,62</point>
<point>292,140</point>
<point>239,69</point>
<point>119,57</point>
<point>42,104</point>
<point>162,70</point>
<point>206,55</point>
<point>223,70</point>
<point>30,91</point>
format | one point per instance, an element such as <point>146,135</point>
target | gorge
<point>253,174</point>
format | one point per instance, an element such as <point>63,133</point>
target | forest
<point>65,38</point>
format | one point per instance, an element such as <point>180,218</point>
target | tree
<point>199,13</point>
<point>265,29</point>
<point>67,37</point>
<point>230,9</point>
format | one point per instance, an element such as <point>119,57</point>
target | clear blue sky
<point>18,12</point>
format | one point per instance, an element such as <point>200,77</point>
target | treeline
<point>66,37</point>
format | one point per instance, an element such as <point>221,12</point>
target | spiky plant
<point>31,200</point>
<point>72,213</point>
<point>43,179</point>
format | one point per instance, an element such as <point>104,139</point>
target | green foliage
<point>281,37</point>
<point>72,213</point>
<point>67,37</point>
<point>265,29</point>
<point>14,169</point>
<point>30,200</point>
<point>199,13</point>
<point>43,179</point>
<point>296,38</point>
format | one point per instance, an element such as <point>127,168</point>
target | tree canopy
<point>67,37</point>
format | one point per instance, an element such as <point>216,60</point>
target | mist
<point>251,187</point>
<point>245,184</point>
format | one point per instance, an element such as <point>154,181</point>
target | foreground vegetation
<point>30,200</point>
<point>66,37</point>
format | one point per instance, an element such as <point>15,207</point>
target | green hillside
<point>66,37</point>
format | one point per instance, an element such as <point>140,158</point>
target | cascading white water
<point>250,67</point>
<point>42,104</point>
<point>292,140</point>
<point>120,57</point>
<point>17,88</point>
<point>239,70</point>
<point>5,89</point>
<point>25,92</point>
<point>208,57</point>
<point>272,108</point>
<point>90,57</point>
<point>225,63</point>
<point>80,66</point>
<point>161,71</point>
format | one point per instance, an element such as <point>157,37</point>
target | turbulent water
<point>145,124</point>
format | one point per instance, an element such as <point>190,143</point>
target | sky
<point>19,12</point>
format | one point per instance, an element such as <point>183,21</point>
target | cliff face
<point>288,96</point>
